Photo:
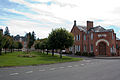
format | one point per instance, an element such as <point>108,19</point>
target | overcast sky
<point>42,16</point>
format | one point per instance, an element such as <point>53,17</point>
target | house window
<point>78,37</point>
<point>112,36</point>
<point>78,48</point>
<point>116,45</point>
<point>91,36</point>
<point>70,49</point>
<point>91,48</point>
<point>84,48</point>
<point>74,37</point>
<point>84,37</point>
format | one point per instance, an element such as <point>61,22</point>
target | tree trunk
<point>52,52</point>
<point>47,52</point>
<point>0,51</point>
<point>5,50</point>
<point>11,50</point>
<point>43,51</point>
<point>60,54</point>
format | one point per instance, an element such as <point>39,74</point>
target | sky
<point>41,16</point>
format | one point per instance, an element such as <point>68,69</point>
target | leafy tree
<point>6,42</point>
<point>11,44</point>
<point>30,39</point>
<point>6,31</point>
<point>41,44</point>
<point>37,43</point>
<point>20,46</point>
<point>1,45</point>
<point>60,39</point>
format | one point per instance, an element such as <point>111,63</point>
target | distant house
<point>97,39</point>
<point>21,39</point>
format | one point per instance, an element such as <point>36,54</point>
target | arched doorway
<point>102,48</point>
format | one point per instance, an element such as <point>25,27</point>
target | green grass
<point>12,59</point>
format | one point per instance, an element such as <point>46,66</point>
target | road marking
<point>29,72</point>
<point>69,66</point>
<point>14,73</point>
<point>52,68</point>
<point>76,65</point>
<point>82,64</point>
<point>61,67</point>
<point>42,70</point>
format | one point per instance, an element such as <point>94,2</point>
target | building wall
<point>118,47</point>
<point>109,38</point>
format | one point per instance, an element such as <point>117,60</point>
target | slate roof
<point>95,29</point>
<point>117,38</point>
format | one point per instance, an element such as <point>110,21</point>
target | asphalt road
<point>90,69</point>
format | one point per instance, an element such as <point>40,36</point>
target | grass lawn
<point>12,59</point>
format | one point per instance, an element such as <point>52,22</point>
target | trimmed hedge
<point>91,54</point>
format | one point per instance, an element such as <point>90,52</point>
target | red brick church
<point>98,40</point>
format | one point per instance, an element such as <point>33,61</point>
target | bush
<point>78,53</point>
<point>113,54</point>
<point>85,54</point>
<point>91,54</point>
<point>70,52</point>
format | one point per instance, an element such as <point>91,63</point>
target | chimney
<point>89,24</point>
<point>74,23</point>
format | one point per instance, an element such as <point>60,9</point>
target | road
<point>90,69</point>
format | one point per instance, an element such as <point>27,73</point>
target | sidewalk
<point>96,57</point>
<point>112,57</point>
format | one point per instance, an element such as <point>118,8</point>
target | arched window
<point>84,37</point>
<point>112,36</point>
<point>91,36</point>
<point>91,48</point>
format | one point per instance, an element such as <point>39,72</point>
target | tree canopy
<point>60,39</point>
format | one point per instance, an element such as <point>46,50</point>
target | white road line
<point>52,68</point>
<point>61,67</point>
<point>42,70</point>
<point>14,73</point>
<point>29,72</point>
<point>69,66</point>
<point>82,64</point>
<point>76,65</point>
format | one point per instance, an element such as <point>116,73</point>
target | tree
<point>1,45</point>
<point>6,42</point>
<point>30,39</point>
<point>37,44</point>
<point>11,44</point>
<point>41,44</point>
<point>20,46</point>
<point>60,39</point>
<point>6,31</point>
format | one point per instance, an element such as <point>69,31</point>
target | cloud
<point>62,13</point>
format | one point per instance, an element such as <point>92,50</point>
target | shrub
<point>91,54</point>
<point>113,53</point>
<point>85,54</point>
<point>70,52</point>
<point>78,53</point>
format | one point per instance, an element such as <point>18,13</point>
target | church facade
<point>97,40</point>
